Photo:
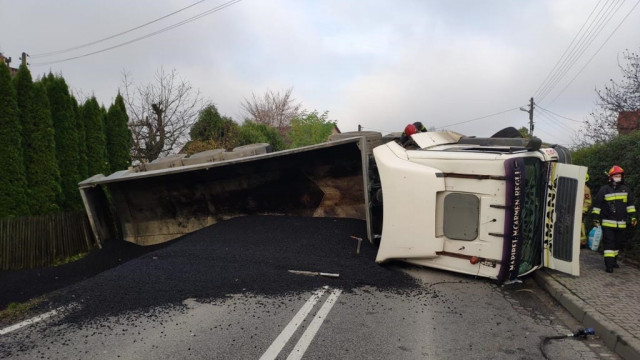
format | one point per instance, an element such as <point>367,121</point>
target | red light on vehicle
<point>474,260</point>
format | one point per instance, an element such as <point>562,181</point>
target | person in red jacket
<point>613,207</point>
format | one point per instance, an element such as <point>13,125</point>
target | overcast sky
<point>380,64</point>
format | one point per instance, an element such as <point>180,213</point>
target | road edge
<point>616,338</point>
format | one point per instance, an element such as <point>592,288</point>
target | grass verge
<point>15,312</point>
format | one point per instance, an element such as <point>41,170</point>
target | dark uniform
<point>419,126</point>
<point>614,206</point>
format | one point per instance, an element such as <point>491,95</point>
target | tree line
<point>168,115</point>
<point>51,142</point>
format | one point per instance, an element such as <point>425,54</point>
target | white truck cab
<point>498,208</point>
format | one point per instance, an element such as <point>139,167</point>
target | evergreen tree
<point>118,137</point>
<point>105,154</point>
<point>83,169</point>
<point>96,144</point>
<point>38,145</point>
<point>23,85</point>
<point>66,138</point>
<point>211,126</point>
<point>120,103</point>
<point>13,184</point>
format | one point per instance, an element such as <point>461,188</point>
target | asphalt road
<point>225,293</point>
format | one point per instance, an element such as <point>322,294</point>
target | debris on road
<point>359,243</point>
<point>314,273</point>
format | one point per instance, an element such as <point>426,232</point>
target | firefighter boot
<point>609,263</point>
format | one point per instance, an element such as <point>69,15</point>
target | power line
<point>553,136</point>
<point>593,35</point>
<point>578,50</point>
<point>597,51</point>
<point>480,118</point>
<point>593,32</point>
<point>556,123</point>
<point>567,49</point>
<point>564,117</point>
<point>191,19</point>
<point>46,54</point>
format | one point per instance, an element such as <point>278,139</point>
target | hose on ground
<point>580,334</point>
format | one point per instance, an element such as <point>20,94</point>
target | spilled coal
<point>22,285</point>
<point>246,255</point>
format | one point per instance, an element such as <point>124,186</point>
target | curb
<point>615,337</point>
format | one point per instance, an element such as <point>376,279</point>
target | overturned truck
<point>494,207</point>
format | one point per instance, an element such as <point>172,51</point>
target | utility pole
<point>530,111</point>
<point>24,59</point>
<point>359,127</point>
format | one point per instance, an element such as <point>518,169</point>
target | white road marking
<point>279,343</point>
<point>32,320</point>
<point>306,338</point>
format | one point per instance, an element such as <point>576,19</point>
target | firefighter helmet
<point>410,130</point>
<point>615,169</point>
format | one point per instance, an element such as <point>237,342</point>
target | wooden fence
<point>35,241</point>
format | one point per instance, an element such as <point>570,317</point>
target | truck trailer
<point>498,207</point>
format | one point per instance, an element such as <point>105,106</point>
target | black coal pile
<point>23,285</point>
<point>247,255</point>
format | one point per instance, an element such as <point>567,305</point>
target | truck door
<point>563,216</point>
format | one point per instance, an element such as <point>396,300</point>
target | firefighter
<point>586,204</point>
<point>406,135</point>
<point>612,207</point>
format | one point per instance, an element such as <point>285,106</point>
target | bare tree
<point>625,95</point>
<point>273,109</point>
<point>160,114</point>
<point>601,126</point>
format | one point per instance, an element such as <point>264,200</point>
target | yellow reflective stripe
<point>616,252</point>
<point>631,209</point>
<point>614,224</point>
<point>595,210</point>
<point>609,253</point>
<point>616,196</point>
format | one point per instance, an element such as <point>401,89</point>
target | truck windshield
<point>532,214</point>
